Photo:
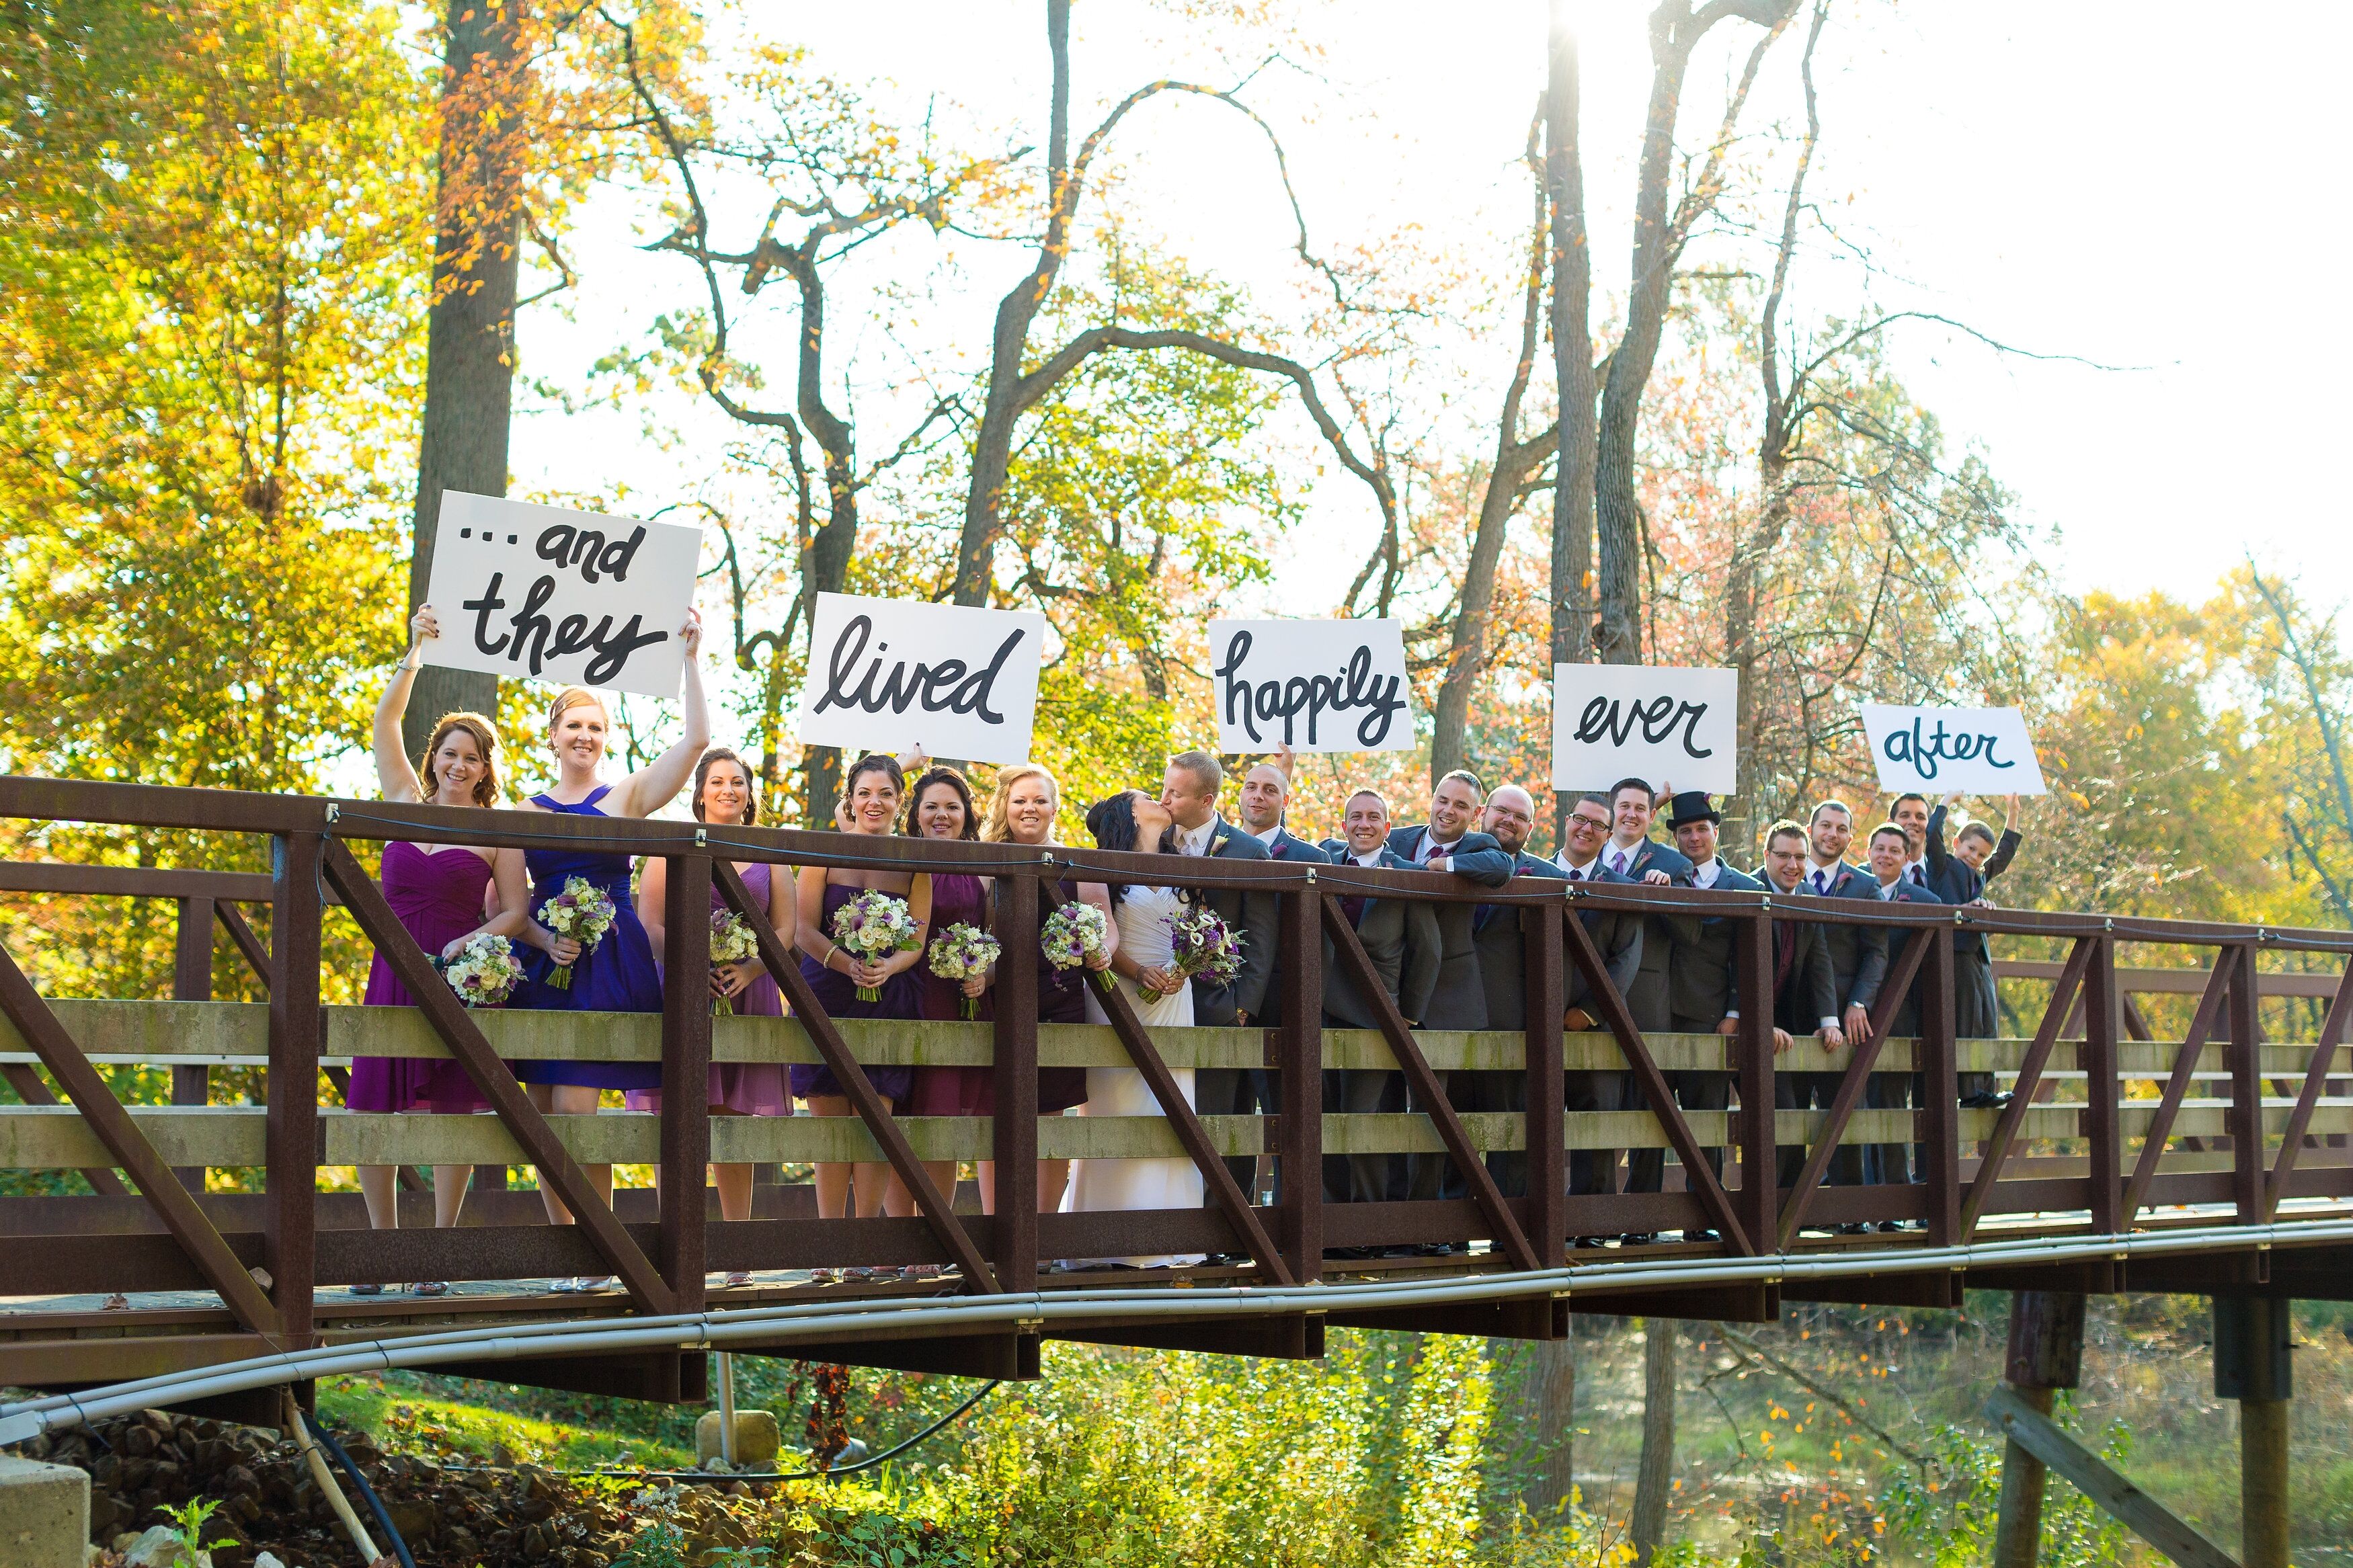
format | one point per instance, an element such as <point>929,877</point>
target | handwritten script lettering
<point>1925,752</point>
<point>588,548</point>
<point>950,686</point>
<point>1613,719</point>
<point>530,637</point>
<point>1353,685</point>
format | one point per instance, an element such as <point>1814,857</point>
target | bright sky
<point>2131,185</point>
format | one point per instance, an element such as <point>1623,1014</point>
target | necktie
<point>1916,879</point>
<point>1574,874</point>
<point>1617,862</point>
<point>1430,850</point>
<point>1821,880</point>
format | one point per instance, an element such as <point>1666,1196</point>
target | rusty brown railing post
<point>1759,1203</point>
<point>680,1249</point>
<point>1013,1137</point>
<point>1545,1151</point>
<point>2103,1089</point>
<point>1299,1129</point>
<point>2245,1116</point>
<point>1934,1069</point>
<point>192,981</point>
<point>290,1142</point>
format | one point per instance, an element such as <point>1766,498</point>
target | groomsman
<point>1960,878</point>
<point>1889,853</point>
<point>1450,841</point>
<point>1805,988</point>
<point>1910,813</point>
<point>1702,991</point>
<point>1264,798</point>
<point>1509,817</point>
<point>1632,854</point>
<point>1619,934</point>
<point>1190,791</point>
<point>1401,938</point>
<point>1858,952</point>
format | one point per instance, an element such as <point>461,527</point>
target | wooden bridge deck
<point>2236,1135</point>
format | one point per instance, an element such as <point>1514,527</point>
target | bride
<point>1145,968</point>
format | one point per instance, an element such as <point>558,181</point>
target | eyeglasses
<point>1596,824</point>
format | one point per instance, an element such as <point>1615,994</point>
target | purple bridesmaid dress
<point>439,898</point>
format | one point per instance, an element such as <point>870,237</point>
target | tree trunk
<point>469,333</point>
<point>1655,1478</point>
<point>1572,351</point>
<point>2046,1353</point>
<point>1552,1409</point>
<point>1515,459</point>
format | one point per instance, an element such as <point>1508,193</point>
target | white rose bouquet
<point>962,952</point>
<point>583,912</point>
<point>484,973</point>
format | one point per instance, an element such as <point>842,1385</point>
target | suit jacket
<point>1459,1000</point>
<point>1950,878</point>
<point>1808,991</point>
<point>1400,935</point>
<point>1619,933</point>
<point>1648,995</point>
<point>1898,941</point>
<point>1253,916</point>
<point>1502,951</point>
<point>1290,847</point>
<point>1702,984</point>
<point>1858,953</point>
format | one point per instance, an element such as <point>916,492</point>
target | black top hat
<point>1692,805</point>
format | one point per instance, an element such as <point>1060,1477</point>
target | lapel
<point>1217,837</point>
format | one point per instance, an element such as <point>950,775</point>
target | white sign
<point>1934,751</point>
<point>890,675</point>
<point>1313,685</point>
<point>1612,722</point>
<point>565,597</point>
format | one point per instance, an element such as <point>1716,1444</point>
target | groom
<point>1189,792</point>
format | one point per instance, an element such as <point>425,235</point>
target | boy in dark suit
<point>1959,876</point>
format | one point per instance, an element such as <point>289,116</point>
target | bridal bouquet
<point>732,941</point>
<point>583,912</point>
<point>1204,945</point>
<point>485,972</point>
<point>1075,933</point>
<point>962,952</point>
<point>874,925</point>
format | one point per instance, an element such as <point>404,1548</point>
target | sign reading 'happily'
<point>574,597</point>
<point>892,675</point>
<point>1313,685</point>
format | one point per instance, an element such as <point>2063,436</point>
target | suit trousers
<point>1884,1163</point>
<point>1975,1013</point>
<point>1593,1173</point>
<point>1813,1091</point>
<point>1361,1091</point>
<point>1503,1092</point>
<point>1429,1176</point>
<point>1646,1169</point>
<point>1234,1091</point>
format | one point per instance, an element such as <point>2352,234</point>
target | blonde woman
<point>1022,812</point>
<point>618,974</point>
<point>443,894</point>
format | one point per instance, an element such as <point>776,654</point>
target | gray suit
<point>1460,1000</point>
<point>1700,992</point>
<point>1619,933</point>
<point>1256,918</point>
<point>1503,972</point>
<point>1402,940</point>
<point>1858,960</point>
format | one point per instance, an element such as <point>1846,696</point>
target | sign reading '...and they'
<point>1313,685</point>
<point>568,597</point>
<point>1612,722</point>
<point>895,674</point>
<point>1931,750</point>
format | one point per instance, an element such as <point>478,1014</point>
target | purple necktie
<point>1617,862</point>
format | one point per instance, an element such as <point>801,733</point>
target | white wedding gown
<point>1145,914</point>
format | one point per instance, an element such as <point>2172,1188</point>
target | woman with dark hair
<point>1145,965</point>
<point>1022,812</point>
<point>724,796</point>
<point>441,893</point>
<point>939,806</point>
<point>871,793</point>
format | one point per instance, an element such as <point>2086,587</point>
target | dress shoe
<point>1987,1100</point>
<point>1645,1238</point>
<point>1701,1237</point>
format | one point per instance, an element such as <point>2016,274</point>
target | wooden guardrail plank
<point>2176,1087</point>
<point>2029,1074</point>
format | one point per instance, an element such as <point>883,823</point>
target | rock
<point>159,1547</point>
<point>267,1560</point>
<point>757,1439</point>
<point>138,1442</point>
<point>413,1517</point>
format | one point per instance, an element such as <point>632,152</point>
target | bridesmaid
<point>618,974</point>
<point>725,795</point>
<point>940,807</point>
<point>439,891</point>
<point>870,805</point>
<point>1022,812</point>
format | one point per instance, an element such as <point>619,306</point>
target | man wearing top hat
<point>1702,993</point>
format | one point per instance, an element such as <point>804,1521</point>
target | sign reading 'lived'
<point>896,675</point>
<point>574,598</point>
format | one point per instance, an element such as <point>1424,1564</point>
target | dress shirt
<point>1820,878</point>
<point>1432,849</point>
<point>1270,836</point>
<point>1705,872</point>
<point>1886,891</point>
<point>1371,862</point>
<point>1916,873</point>
<point>1619,857</point>
<point>1584,873</point>
<point>1196,840</point>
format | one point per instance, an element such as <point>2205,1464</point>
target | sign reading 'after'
<point>1934,751</point>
